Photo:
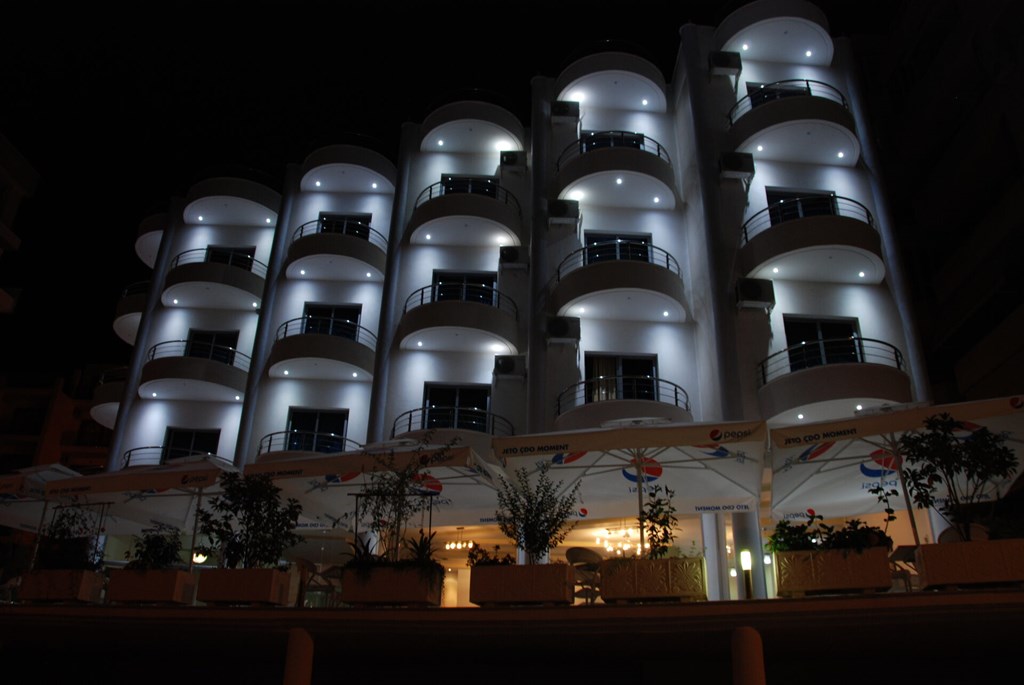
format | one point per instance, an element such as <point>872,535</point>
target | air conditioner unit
<point>755,293</point>
<point>565,109</point>
<point>513,257</point>
<point>736,165</point>
<point>725,63</point>
<point>510,365</point>
<point>563,211</point>
<point>513,158</point>
<point>563,329</point>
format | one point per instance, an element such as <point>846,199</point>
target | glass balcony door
<point>341,320</point>
<point>813,342</point>
<point>216,345</point>
<point>317,430</point>
<point>456,406</point>
<point>786,205</point>
<point>612,377</point>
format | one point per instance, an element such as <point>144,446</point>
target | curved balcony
<point>815,238</point>
<point>796,120</point>
<point>472,126</point>
<point>613,80</point>
<point>322,348</point>
<point>472,427</point>
<point>460,318</point>
<point>824,372</point>
<point>287,444</point>
<point>616,169</point>
<point>183,370</point>
<point>472,212</point>
<point>106,398</point>
<point>621,400</point>
<point>155,455</point>
<point>621,279</point>
<point>337,251</point>
<point>777,31</point>
<point>129,311</point>
<point>229,201</point>
<point>347,169</point>
<point>209,279</point>
<point>147,240</point>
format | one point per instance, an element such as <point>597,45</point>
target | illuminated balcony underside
<point>615,80</point>
<point>320,357</point>
<point>465,219</point>
<point>147,242</point>
<point>807,130</point>
<point>335,257</point>
<point>211,285</point>
<point>128,316</point>
<point>231,202</point>
<point>106,402</point>
<point>472,126</point>
<point>458,326</point>
<point>347,169</point>
<point>828,249</point>
<point>777,31</point>
<point>624,290</point>
<point>191,378</point>
<point>621,413</point>
<point>592,178</point>
<point>831,391</point>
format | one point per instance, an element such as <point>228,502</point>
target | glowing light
<point>302,272</point>
<point>860,407</point>
<point>428,236</point>
<point>419,343</point>
<point>665,313</point>
<point>318,184</point>
<point>198,558</point>
<point>800,416</point>
<point>808,53</point>
<point>502,145</point>
<point>746,47</point>
<point>268,220</point>
<point>746,562</point>
<point>238,397</point>
<point>583,310</point>
<point>374,185</point>
<point>576,195</point>
<point>775,270</point>
<point>175,301</point>
<point>657,200</point>
<point>644,102</point>
<point>286,372</point>
<point>860,274</point>
<point>732,573</point>
<point>154,394</point>
<point>841,154</point>
<point>255,304</point>
<point>440,143</point>
<point>497,347</point>
<point>618,181</point>
<point>578,96</point>
<point>355,375</point>
<point>767,559</point>
<point>200,217</point>
<point>369,275</point>
<point>760,148</point>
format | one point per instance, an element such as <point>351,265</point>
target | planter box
<point>979,562</point>
<point>244,586</point>
<point>832,571</point>
<point>155,586</point>
<point>639,580</point>
<point>522,584</point>
<point>386,585</point>
<point>61,585</point>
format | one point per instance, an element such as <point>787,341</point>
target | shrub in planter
<point>154,573</point>
<point>66,563</point>
<point>415,578</point>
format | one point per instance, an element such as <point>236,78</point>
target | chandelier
<point>459,543</point>
<point>621,540</point>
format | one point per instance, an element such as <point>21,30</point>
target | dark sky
<point>118,113</point>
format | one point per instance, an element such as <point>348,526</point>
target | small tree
<point>967,466</point>
<point>247,523</point>
<point>659,521</point>
<point>69,541</point>
<point>535,516</point>
<point>156,548</point>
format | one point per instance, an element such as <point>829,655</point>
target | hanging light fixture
<point>621,540</point>
<point>459,543</point>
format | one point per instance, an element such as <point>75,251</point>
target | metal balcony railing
<point>324,325</point>
<point>350,227</point>
<point>780,90</point>
<point>470,186</point>
<point>621,388</point>
<point>595,140</point>
<point>617,250</point>
<point>811,353</point>
<point>462,418</point>
<point>239,260</point>
<point>137,288</point>
<point>480,294</point>
<point>200,350</point>
<point>115,375</point>
<point>157,454</point>
<point>306,441</point>
<point>802,207</point>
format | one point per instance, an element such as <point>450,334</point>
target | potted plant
<point>816,558</point>
<point>963,467</point>
<point>537,518</point>
<point>660,571</point>
<point>248,527</point>
<point>155,572</point>
<point>66,565</point>
<point>414,579</point>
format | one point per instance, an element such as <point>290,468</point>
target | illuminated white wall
<point>151,418</point>
<point>201,236</point>
<point>843,181</point>
<point>651,124</point>
<point>309,205</point>
<point>770,72</point>
<point>418,263</point>
<point>278,395</point>
<point>411,369</point>
<point>173,323</point>
<point>428,168</point>
<point>293,295</point>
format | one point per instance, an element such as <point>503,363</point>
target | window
<point>477,185</point>
<point>357,225</point>
<point>760,93</point>
<point>333,319</point>
<point>317,430</point>
<point>813,342</point>
<point>592,140</point>
<point>612,377</point>
<point>475,286</point>
<point>602,247</point>
<point>786,205</point>
<point>216,345</point>
<point>242,257</point>
<point>184,442</point>
<point>456,406</point>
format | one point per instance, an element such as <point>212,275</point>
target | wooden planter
<point>244,586</point>
<point>651,580</point>
<point>394,586</point>
<point>61,585</point>
<point>522,584</point>
<point>978,562</point>
<point>155,586</point>
<point>832,571</point>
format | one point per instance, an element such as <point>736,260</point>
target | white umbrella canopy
<point>710,467</point>
<point>830,466</point>
<point>23,495</point>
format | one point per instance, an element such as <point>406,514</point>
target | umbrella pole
<point>893,447</point>
<point>639,499</point>
<point>195,531</point>
<point>39,535</point>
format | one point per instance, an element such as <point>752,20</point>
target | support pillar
<point>298,663</point>
<point>747,657</point>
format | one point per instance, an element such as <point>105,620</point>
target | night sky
<point>119,113</point>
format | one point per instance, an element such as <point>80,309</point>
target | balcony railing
<point>481,294</point>
<point>350,227</point>
<point>801,207</point>
<point>811,353</point>
<point>137,288</point>
<point>622,388</point>
<point>617,250</point>
<point>306,441</point>
<point>481,186</point>
<point>595,140</point>
<point>200,350</point>
<point>116,375</point>
<point>780,90</point>
<point>239,260</point>
<point>153,455</point>
<point>324,325</point>
<point>462,418</point>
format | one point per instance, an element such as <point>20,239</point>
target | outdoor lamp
<point>198,558</point>
<point>746,563</point>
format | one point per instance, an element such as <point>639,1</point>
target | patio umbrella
<point>23,502</point>
<point>830,466</point>
<point>711,467</point>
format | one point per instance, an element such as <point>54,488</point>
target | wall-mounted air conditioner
<point>725,63</point>
<point>513,158</point>
<point>736,165</point>
<point>563,212</point>
<point>755,293</point>
<point>563,329</point>
<point>565,109</point>
<point>513,257</point>
<point>510,365</point>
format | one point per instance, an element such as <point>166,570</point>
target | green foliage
<point>248,524</point>
<point>966,466</point>
<point>69,541</point>
<point>814,534</point>
<point>535,516</point>
<point>156,548</point>
<point>479,556</point>
<point>658,521</point>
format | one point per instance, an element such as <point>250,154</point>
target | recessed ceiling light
<point>760,148</point>
<point>355,375</point>
<point>200,217</point>
<point>618,181</point>
<point>502,145</point>
<point>861,274</point>
<point>238,397</point>
<point>369,275</point>
<point>859,407</point>
<point>578,96</point>
<point>373,185</point>
<point>746,47</point>
<point>497,347</point>
<point>428,236</point>
<point>576,195</point>
<point>255,304</point>
<point>582,310</point>
<point>644,102</point>
<point>775,270</point>
<point>440,143</point>
<point>268,220</point>
<point>657,200</point>
<point>840,155</point>
<point>154,394</point>
<point>808,53</point>
<point>175,301</point>
<point>800,416</point>
<point>419,343</point>
<point>318,184</point>
<point>302,272</point>
<point>665,313</point>
<point>286,372</point>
